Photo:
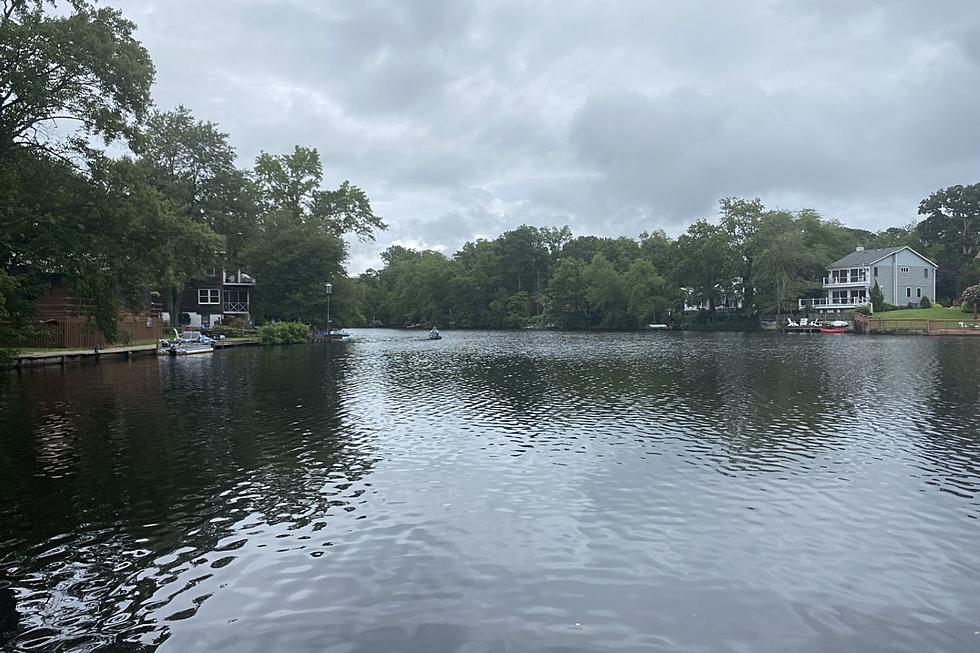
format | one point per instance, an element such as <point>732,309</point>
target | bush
<point>887,307</point>
<point>863,310</point>
<point>967,307</point>
<point>924,302</point>
<point>284,333</point>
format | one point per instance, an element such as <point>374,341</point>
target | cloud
<point>466,118</point>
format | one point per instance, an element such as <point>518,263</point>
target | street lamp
<point>329,289</point>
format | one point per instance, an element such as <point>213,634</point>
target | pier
<point>63,356</point>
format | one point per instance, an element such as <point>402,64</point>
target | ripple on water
<point>514,491</point>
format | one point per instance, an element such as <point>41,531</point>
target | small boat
<point>832,330</point>
<point>188,342</point>
<point>434,334</point>
<point>657,327</point>
<point>338,334</point>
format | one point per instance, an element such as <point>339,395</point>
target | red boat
<point>832,330</point>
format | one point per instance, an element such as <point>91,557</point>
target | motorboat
<point>434,334</point>
<point>338,334</point>
<point>657,327</point>
<point>187,342</point>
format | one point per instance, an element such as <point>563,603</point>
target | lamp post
<point>329,289</point>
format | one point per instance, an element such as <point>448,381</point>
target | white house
<point>904,276</point>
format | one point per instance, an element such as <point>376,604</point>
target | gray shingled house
<point>904,276</point>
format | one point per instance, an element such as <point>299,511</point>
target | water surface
<point>498,492</point>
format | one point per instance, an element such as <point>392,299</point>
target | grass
<point>932,313</point>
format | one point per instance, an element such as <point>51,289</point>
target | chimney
<point>860,248</point>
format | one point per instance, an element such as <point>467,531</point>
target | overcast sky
<point>465,119</point>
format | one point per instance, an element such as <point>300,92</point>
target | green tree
<point>704,261</point>
<point>877,298</point>
<point>85,67</point>
<point>289,184</point>
<point>741,219</point>
<point>565,295</point>
<point>192,164</point>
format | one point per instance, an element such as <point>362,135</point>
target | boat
<point>657,327</point>
<point>832,330</point>
<point>338,334</point>
<point>434,334</point>
<point>188,342</point>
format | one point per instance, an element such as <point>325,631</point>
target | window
<point>876,273</point>
<point>925,273</point>
<point>210,272</point>
<point>903,269</point>
<point>908,292</point>
<point>208,296</point>
<point>918,292</point>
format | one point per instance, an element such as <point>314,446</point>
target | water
<point>499,492</point>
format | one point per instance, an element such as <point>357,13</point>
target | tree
<point>704,261</point>
<point>565,294</point>
<point>293,261</point>
<point>972,295</point>
<point>953,221</point>
<point>85,67</point>
<point>741,220</point>
<point>289,184</point>
<point>193,165</point>
<point>877,298</point>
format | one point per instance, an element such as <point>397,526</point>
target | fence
<point>79,333</point>
<point>966,327</point>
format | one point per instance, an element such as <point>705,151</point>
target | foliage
<point>289,185</point>
<point>85,67</point>
<point>284,333</point>
<point>924,302</point>
<point>863,309</point>
<point>972,294</point>
<point>877,297</point>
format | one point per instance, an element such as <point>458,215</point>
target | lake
<point>522,491</point>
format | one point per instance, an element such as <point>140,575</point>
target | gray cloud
<point>463,119</point>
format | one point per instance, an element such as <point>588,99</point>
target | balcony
<point>840,282</point>
<point>236,307</point>
<point>828,304</point>
<point>238,278</point>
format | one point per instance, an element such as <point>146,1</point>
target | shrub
<point>887,307</point>
<point>877,298</point>
<point>863,310</point>
<point>967,307</point>
<point>924,302</point>
<point>284,333</point>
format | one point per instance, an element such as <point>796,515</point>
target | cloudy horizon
<point>465,119</point>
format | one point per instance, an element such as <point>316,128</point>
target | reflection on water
<point>499,491</point>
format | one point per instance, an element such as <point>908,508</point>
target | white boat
<point>434,334</point>
<point>657,327</point>
<point>188,342</point>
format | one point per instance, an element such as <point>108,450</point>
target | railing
<point>238,279</point>
<point>236,307</point>
<point>824,302</point>
<point>833,282</point>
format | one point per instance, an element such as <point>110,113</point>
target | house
<point>217,296</point>
<point>729,298</point>
<point>904,276</point>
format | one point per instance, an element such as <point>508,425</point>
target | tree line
<point>114,227</point>
<point>768,258</point>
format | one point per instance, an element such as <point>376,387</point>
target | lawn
<point>932,313</point>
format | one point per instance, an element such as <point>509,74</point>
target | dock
<point>61,357</point>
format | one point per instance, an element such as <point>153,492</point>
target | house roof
<point>868,256</point>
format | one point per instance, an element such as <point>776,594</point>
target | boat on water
<point>338,334</point>
<point>434,334</point>
<point>832,330</point>
<point>657,327</point>
<point>188,342</point>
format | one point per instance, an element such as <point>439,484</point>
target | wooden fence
<point>965,327</point>
<point>79,333</point>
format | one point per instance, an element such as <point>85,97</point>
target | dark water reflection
<point>494,492</point>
